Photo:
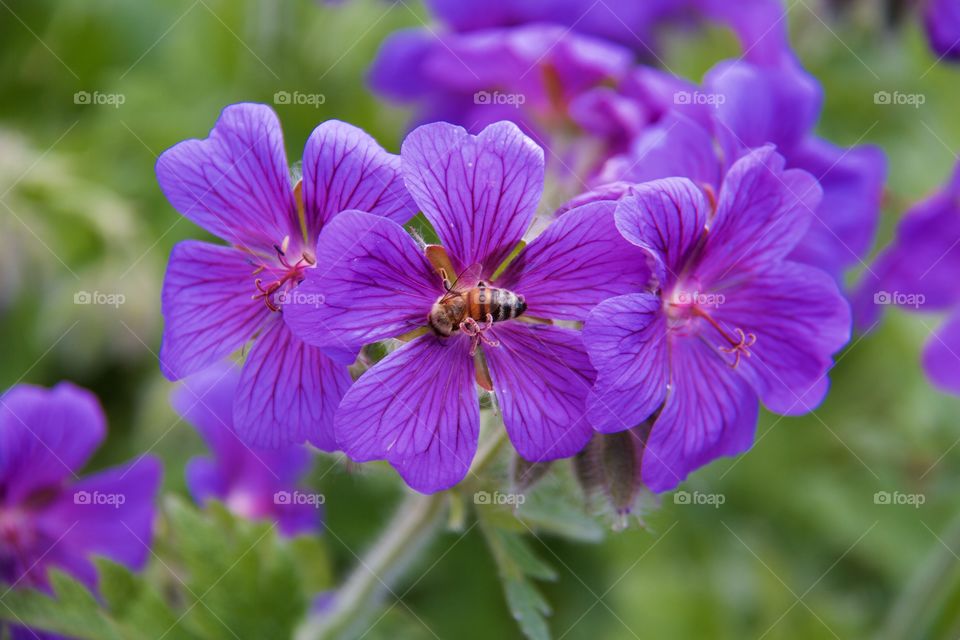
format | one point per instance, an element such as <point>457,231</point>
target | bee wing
<point>467,278</point>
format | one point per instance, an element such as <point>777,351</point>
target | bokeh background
<point>801,546</point>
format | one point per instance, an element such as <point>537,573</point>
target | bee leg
<point>446,279</point>
<point>472,329</point>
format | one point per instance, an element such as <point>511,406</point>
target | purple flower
<point>252,483</point>
<point>49,516</point>
<point>417,408</point>
<point>529,74</point>
<point>731,319</point>
<point>236,185</point>
<point>760,24</point>
<point>942,21</point>
<point>753,106</point>
<point>918,271</point>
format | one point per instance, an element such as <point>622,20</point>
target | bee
<point>472,306</point>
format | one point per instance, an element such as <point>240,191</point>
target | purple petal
<point>416,408</point>
<point>541,375</point>
<point>941,357</point>
<point>800,320</point>
<point>580,260</point>
<point>288,392</point>
<point>764,105</point>
<point>371,282</point>
<point>246,479</point>
<point>556,64</point>
<point>479,192</point>
<point>920,267</point>
<point>235,183</point>
<point>607,114</point>
<point>662,92</point>
<point>610,191</point>
<point>208,307</point>
<point>762,213</point>
<point>344,168</point>
<point>46,435</point>
<point>206,401</point>
<point>109,513</point>
<point>761,26</point>
<point>942,21</point>
<point>626,338</point>
<point>710,411</point>
<point>845,223</point>
<point>205,480</point>
<point>398,70</point>
<point>676,147</point>
<point>666,217</point>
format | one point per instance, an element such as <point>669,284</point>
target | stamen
<point>292,275</point>
<point>739,344</point>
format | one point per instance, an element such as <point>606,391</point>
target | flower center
<point>687,305</point>
<point>285,274</point>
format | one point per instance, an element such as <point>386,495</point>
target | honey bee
<point>471,306</point>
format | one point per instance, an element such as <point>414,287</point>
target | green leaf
<point>71,609</point>
<point>517,565</point>
<point>227,578</point>
<point>130,598</point>
<point>240,578</point>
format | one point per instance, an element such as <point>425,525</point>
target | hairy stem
<point>415,522</point>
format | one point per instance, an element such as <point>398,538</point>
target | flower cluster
<point>691,273</point>
<point>484,308</point>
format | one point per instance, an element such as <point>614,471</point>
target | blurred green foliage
<point>799,548</point>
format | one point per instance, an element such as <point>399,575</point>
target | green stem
<point>412,526</point>
<point>914,613</point>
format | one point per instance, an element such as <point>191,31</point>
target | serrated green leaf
<point>241,578</point>
<point>131,599</point>
<point>528,608</point>
<point>516,565</point>
<point>71,609</point>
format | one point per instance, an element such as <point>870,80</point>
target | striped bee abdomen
<point>499,304</point>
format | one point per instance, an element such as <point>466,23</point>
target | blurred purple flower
<point>918,271</point>
<point>49,516</point>
<point>743,107</point>
<point>418,408</point>
<point>942,21</point>
<point>759,24</point>
<point>732,319</point>
<point>557,69</point>
<point>236,184</point>
<point>252,483</point>
<point>530,74</point>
